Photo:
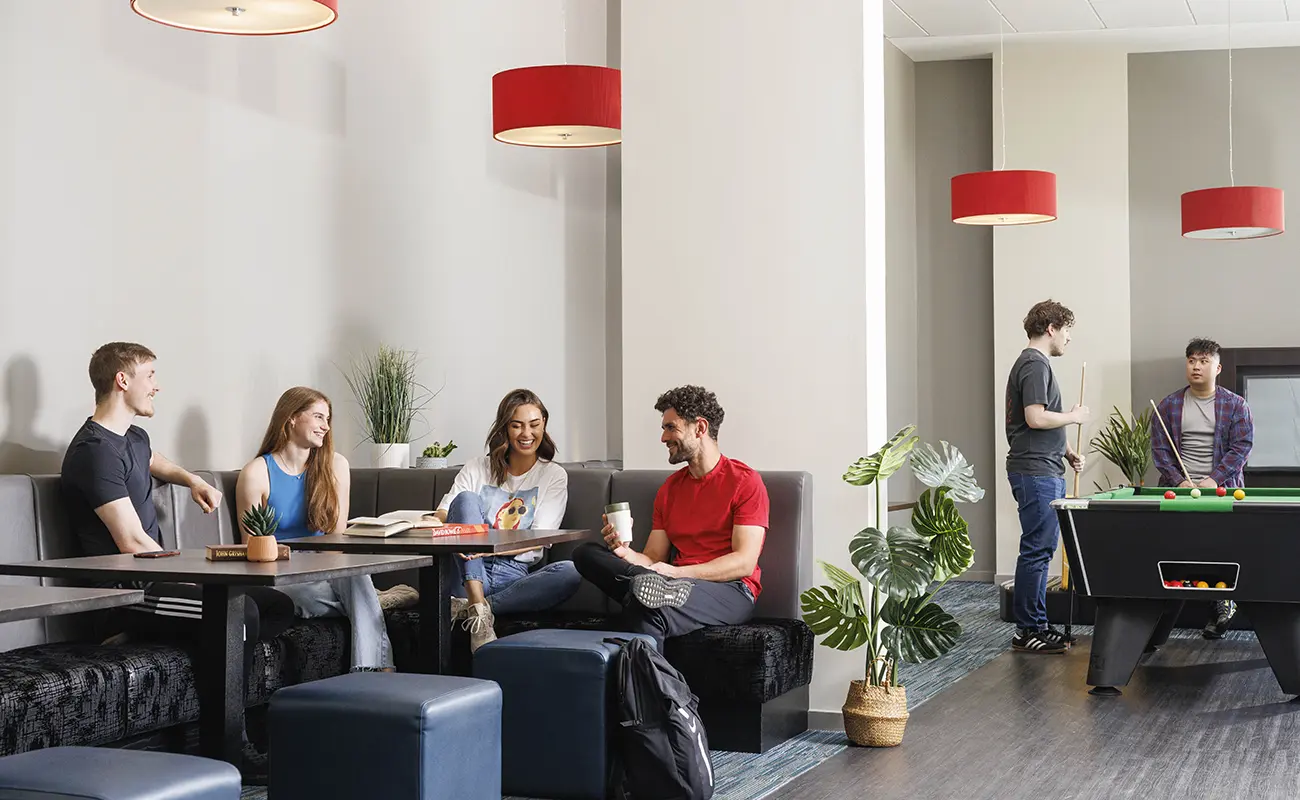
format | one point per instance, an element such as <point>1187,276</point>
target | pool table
<point>1141,556</point>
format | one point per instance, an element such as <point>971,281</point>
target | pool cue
<point>1181,465</point>
<point>1065,556</point>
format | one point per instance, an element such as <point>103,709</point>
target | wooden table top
<point>426,543</point>
<point>32,602</point>
<point>192,566</point>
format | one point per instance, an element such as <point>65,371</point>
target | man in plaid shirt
<point>1214,432</point>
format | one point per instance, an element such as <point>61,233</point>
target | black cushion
<point>758,661</point>
<point>56,694</point>
<point>755,662</point>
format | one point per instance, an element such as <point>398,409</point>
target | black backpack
<point>658,740</point>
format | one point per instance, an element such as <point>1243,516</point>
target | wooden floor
<point>1200,719</point>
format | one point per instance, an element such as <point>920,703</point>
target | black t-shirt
<point>101,467</point>
<point>1033,451</point>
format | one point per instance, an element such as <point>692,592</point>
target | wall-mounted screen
<point>1275,405</point>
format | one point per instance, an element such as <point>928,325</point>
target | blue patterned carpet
<point>748,776</point>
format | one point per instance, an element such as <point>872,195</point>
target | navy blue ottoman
<point>106,773</point>
<point>389,735</point>
<point>556,687</point>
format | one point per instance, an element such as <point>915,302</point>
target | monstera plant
<point>896,619</point>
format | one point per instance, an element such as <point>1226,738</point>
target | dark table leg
<point>1123,628</point>
<point>1277,625</point>
<point>434,652</point>
<point>221,675</point>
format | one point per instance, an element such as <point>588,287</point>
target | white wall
<point>258,210</point>
<point>1178,141</point>
<point>159,186</point>
<point>753,243</point>
<point>1067,112</point>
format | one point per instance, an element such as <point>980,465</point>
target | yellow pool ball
<point>1221,585</point>
<point>1202,585</point>
<point>1239,494</point>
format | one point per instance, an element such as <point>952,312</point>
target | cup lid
<point>612,507</point>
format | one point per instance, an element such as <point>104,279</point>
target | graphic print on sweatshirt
<point>508,510</point>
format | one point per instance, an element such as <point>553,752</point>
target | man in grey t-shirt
<point>1037,451</point>
<point>1214,432</point>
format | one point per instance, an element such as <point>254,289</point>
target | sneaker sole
<point>653,590</point>
<point>1046,651</point>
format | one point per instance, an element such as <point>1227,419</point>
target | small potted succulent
<point>435,455</point>
<point>260,524</point>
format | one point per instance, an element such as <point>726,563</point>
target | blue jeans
<point>508,584</point>
<point>1038,534</point>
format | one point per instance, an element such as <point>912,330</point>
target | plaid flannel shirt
<point>1234,435</point>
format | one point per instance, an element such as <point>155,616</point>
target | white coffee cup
<point>619,515</point>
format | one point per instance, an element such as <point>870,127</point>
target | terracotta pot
<point>263,548</point>
<point>875,716</point>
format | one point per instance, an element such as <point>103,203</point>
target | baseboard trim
<point>825,721</point>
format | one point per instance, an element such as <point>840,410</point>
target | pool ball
<point>1196,493</point>
<point>1239,495</point>
<point>1221,585</point>
<point>1221,491</point>
<point>1202,585</point>
<point>1169,495</point>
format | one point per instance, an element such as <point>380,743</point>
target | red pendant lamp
<point>562,105</point>
<point>1233,212</point>
<point>1003,196</point>
<point>240,17</point>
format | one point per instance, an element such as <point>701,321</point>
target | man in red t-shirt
<point>700,565</point>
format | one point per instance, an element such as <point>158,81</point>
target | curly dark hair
<point>692,403</point>
<point>1202,347</point>
<point>1045,314</point>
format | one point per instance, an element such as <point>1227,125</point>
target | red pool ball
<point>1170,495</point>
<point>1221,491</point>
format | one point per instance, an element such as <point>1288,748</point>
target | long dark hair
<point>498,440</point>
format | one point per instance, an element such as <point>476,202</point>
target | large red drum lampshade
<point>564,105</point>
<point>1004,197</point>
<point>240,17</point>
<point>1233,212</point>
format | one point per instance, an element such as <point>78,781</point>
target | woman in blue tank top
<point>298,474</point>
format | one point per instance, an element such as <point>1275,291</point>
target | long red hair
<point>322,488</point>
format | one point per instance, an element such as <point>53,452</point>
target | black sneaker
<point>653,590</point>
<point>254,766</point>
<point>1058,636</point>
<point>1037,642</point>
<point>1221,620</point>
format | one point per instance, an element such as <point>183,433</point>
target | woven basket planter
<point>875,716</point>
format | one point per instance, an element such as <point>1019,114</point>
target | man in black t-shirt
<point>107,489</point>
<point>1037,450</point>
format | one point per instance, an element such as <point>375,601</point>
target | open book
<point>391,523</point>
<point>395,522</point>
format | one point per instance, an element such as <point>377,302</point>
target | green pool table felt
<point>1207,502</point>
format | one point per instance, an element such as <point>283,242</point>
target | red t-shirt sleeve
<point>661,509</point>
<point>751,504</point>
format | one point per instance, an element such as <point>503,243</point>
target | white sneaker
<point>479,621</point>
<point>459,607</point>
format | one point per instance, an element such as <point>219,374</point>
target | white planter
<point>390,455</point>
<point>424,462</point>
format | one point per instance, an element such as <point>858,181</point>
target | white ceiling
<point>930,30</point>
